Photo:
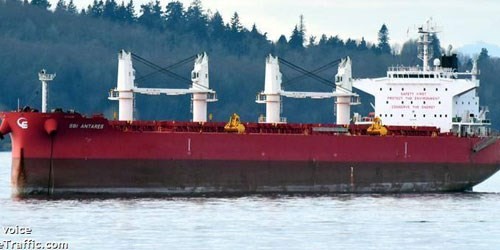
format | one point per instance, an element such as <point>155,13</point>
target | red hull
<point>67,153</point>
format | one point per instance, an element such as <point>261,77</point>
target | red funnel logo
<point>22,123</point>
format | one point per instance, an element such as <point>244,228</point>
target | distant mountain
<point>475,49</point>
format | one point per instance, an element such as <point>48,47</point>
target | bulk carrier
<point>435,138</point>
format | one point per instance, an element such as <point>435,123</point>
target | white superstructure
<point>428,96</point>
<point>126,88</point>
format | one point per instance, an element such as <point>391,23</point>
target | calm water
<point>436,221</point>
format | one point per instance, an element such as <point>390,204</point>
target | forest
<point>81,47</point>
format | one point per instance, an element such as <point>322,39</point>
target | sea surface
<point>413,221</point>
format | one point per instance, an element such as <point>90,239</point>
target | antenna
<point>45,78</point>
<point>425,51</point>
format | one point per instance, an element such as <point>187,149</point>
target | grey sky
<point>461,21</point>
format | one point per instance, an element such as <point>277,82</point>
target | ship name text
<point>86,126</point>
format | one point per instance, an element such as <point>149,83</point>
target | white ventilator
<point>273,91</point>
<point>126,88</point>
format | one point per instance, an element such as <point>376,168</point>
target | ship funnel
<point>343,82</point>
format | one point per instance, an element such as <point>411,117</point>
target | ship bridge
<point>426,95</point>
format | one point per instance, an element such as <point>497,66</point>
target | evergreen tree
<point>61,6</point>
<point>121,13</point>
<point>302,28</point>
<point>235,24</point>
<point>312,41</point>
<point>383,40</point>
<point>483,57</point>
<point>97,9</point>
<point>195,18</point>
<point>130,16</point>
<point>362,44</point>
<point>350,44</point>
<point>335,42</point>
<point>72,8</point>
<point>174,16</point>
<point>323,40</point>
<point>216,28</point>
<point>236,36</point>
<point>282,42</point>
<point>151,15</point>
<point>296,39</point>
<point>41,3</point>
<point>109,9</point>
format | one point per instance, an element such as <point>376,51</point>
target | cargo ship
<point>427,134</point>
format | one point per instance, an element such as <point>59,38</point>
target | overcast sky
<point>461,21</point>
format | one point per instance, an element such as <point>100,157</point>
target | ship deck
<point>267,128</point>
